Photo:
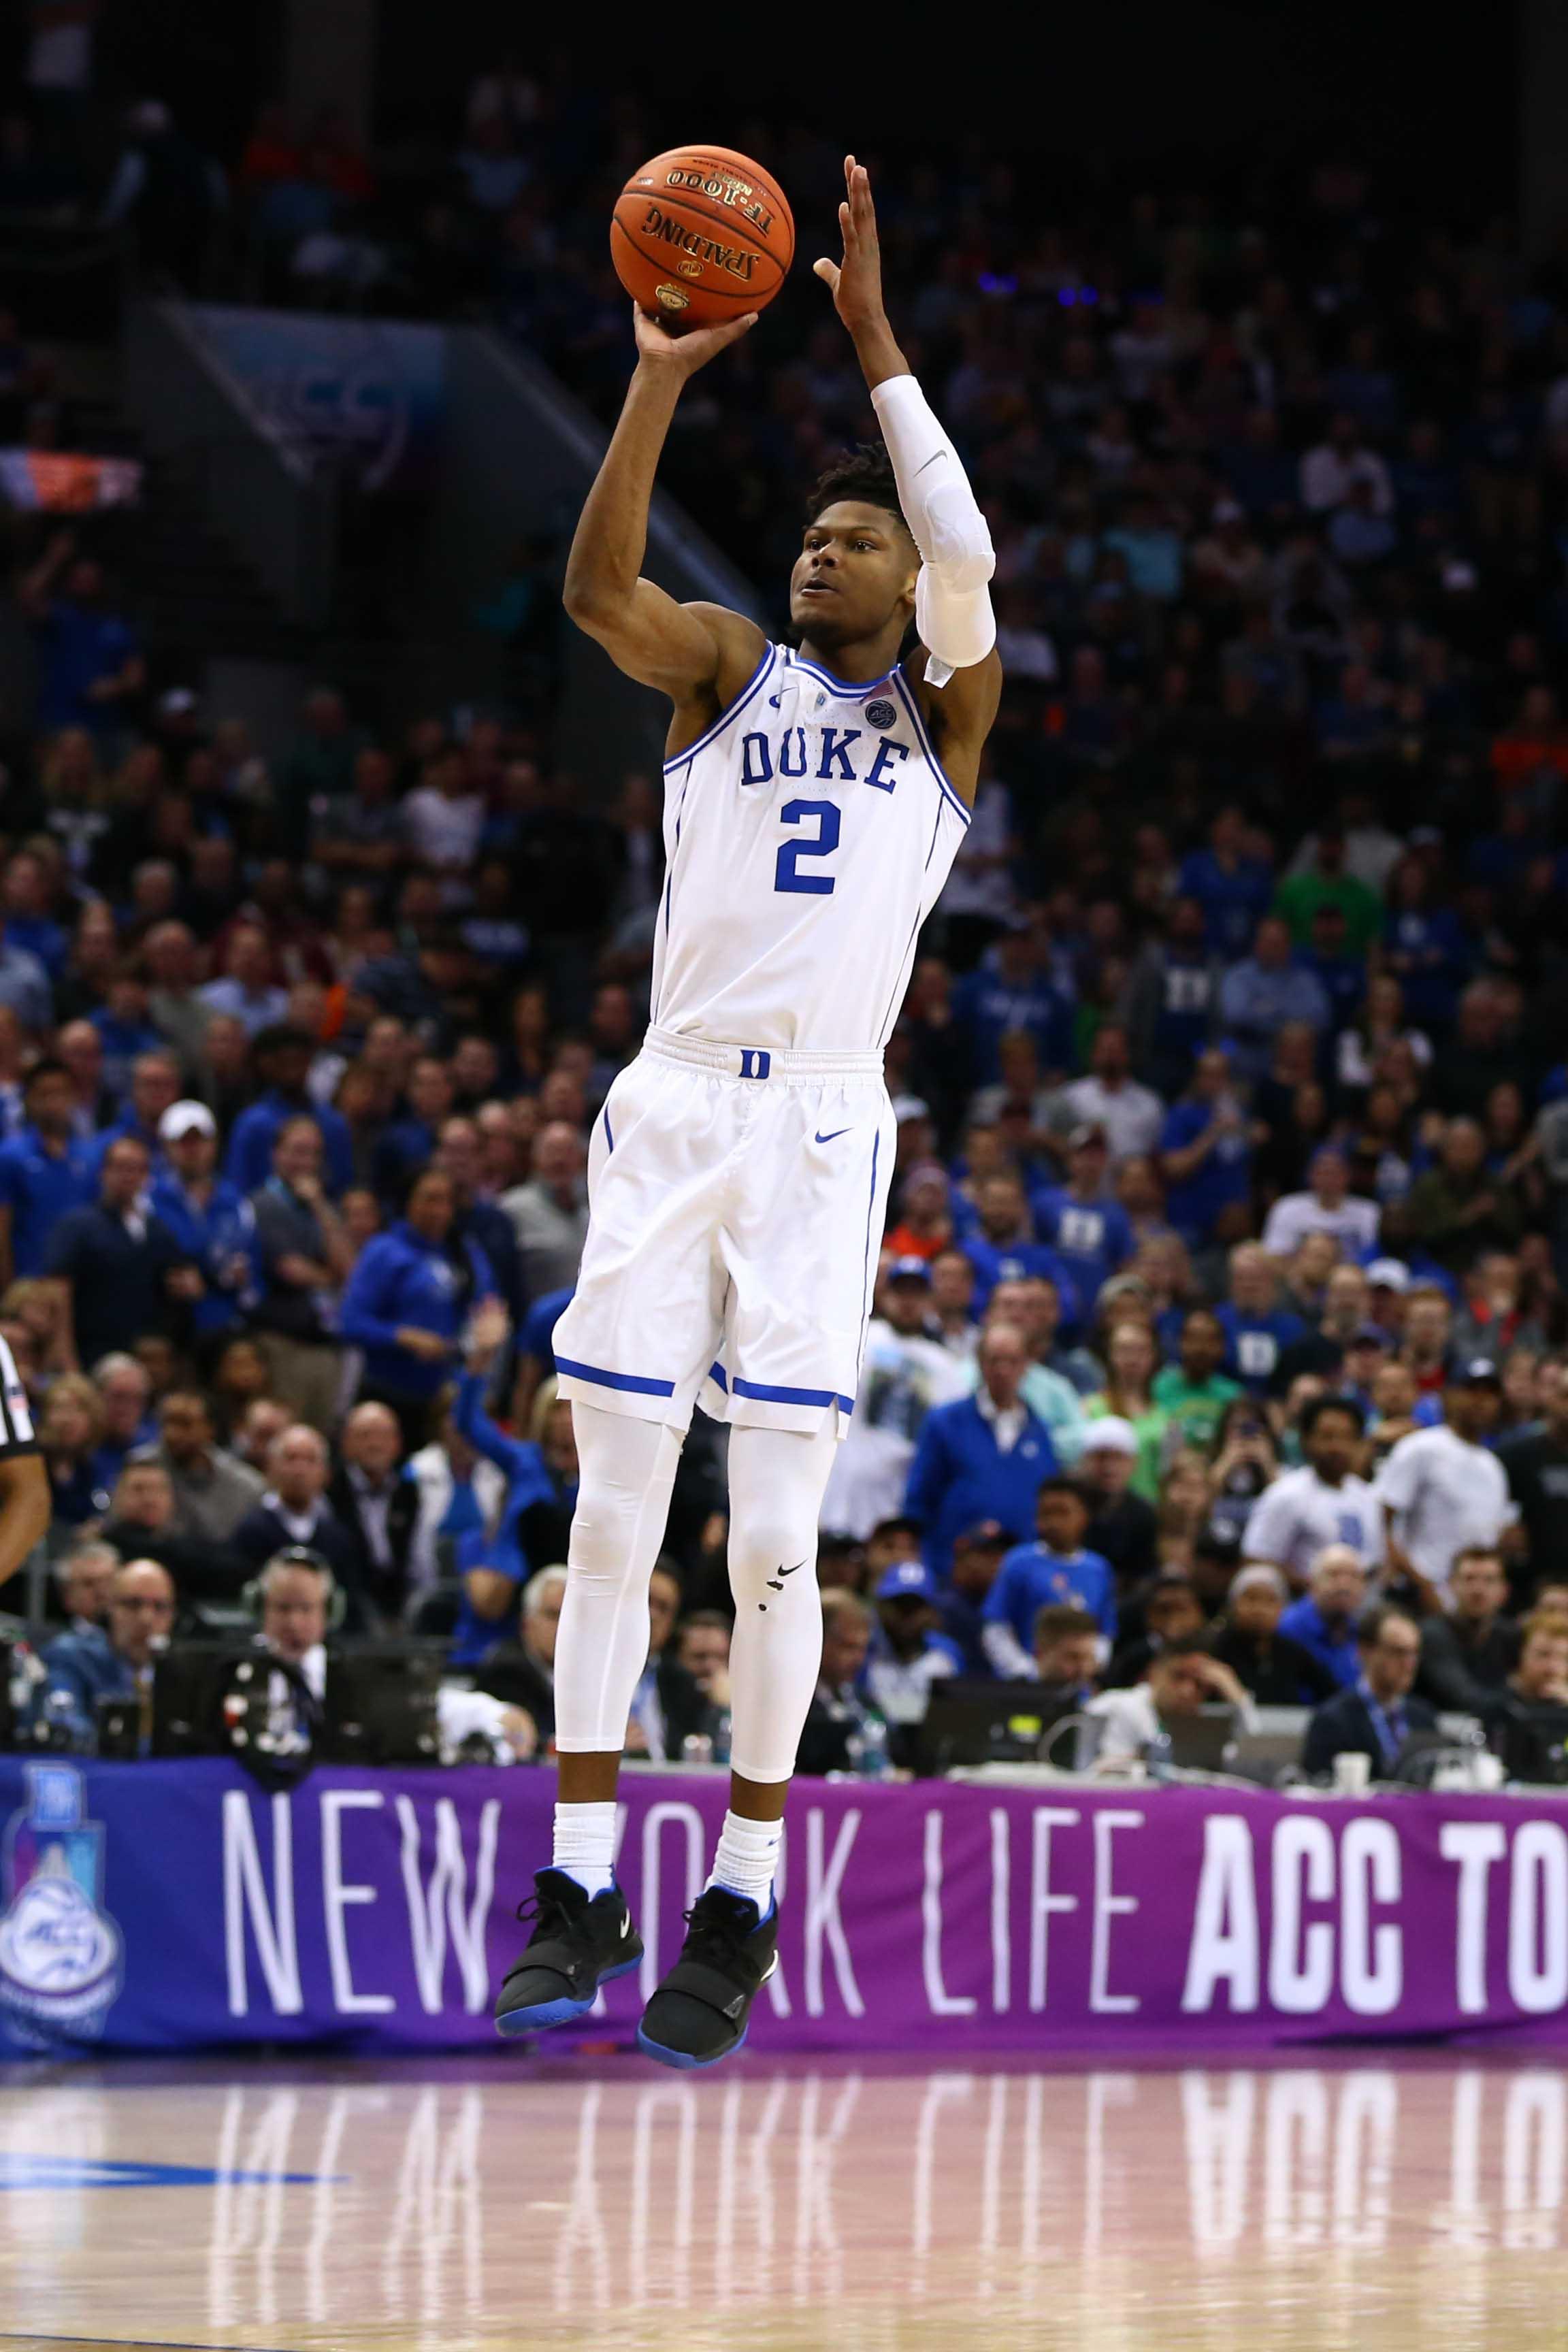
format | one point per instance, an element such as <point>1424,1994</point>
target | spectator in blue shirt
<point>1206,1156</point>
<point>1324,1620</point>
<point>1054,1568</point>
<point>1265,989</point>
<point>536,1346</point>
<point>982,1458</point>
<point>155,1088</point>
<point>408,1142</point>
<point>90,662</point>
<point>25,986</point>
<point>1423,947</point>
<point>98,1662</point>
<point>1008,991</point>
<point>1340,972</point>
<point>1080,1221</point>
<point>1004,1248</point>
<point>281,1058</point>
<point>26,899</point>
<point>125,1029</point>
<point>45,1171</point>
<point>408,1299</point>
<point>211,1219</point>
<point>1234,890</point>
<point>1173,999</point>
<point>1257,1329</point>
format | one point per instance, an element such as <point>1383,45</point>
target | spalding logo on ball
<point>701,235</point>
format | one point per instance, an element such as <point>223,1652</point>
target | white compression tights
<point>777,1479</point>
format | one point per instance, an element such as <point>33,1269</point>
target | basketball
<point>701,235</point>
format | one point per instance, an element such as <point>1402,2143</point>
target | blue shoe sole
<point>683,2058</point>
<point>518,2021</point>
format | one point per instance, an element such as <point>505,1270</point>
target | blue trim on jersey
<point>928,747</point>
<point>631,1381</point>
<point>846,686</point>
<point>757,679</point>
<point>609,1139</point>
<point>716,1373</point>
<point>761,1395</point>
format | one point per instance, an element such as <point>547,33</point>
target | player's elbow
<point>592,603</point>
<point>25,1506</point>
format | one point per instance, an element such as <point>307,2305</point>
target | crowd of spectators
<point>1223,1289</point>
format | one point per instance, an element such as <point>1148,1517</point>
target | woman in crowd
<point>1245,1460</point>
<point>408,1298</point>
<point>1379,1023</point>
<point>1132,1360</point>
<point>69,1433</point>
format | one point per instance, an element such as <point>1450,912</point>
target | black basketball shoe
<point>698,2014</point>
<point>578,1944</point>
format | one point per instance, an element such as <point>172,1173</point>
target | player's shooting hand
<point>857,280</point>
<point>684,354</point>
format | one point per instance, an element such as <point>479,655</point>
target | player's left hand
<point>857,280</point>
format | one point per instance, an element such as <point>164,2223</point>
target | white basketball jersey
<point>808,834</point>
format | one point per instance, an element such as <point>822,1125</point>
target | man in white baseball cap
<point>210,1217</point>
<point>1122,1526</point>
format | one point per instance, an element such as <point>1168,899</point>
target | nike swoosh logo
<point>626,1927</point>
<point>775,1583</point>
<point>774,700</point>
<point>834,1136</point>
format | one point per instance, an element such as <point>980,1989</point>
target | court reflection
<point>810,2206</point>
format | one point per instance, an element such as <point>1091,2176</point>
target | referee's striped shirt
<point>17,1434</point>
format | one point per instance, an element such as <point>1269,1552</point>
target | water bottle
<point>868,1745</point>
<point>1158,1755</point>
<point>697,1749</point>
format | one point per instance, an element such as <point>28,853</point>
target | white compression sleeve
<point>626,1468</point>
<point>777,1480</point>
<point>953,602</point>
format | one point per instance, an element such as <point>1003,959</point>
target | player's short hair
<point>1058,1620</point>
<point>1316,1407</point>
<point>866,473</point>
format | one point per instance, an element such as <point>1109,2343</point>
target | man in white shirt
<point>1332,471</point>
<point>1441,1491</point>
<point>905,1373</point>
<point>1181,1679</point>
<point>1306,1510</point>
<point>1110,1097</point>
<point>1327,1208</point>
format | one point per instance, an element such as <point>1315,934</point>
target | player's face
<point>855,572</point>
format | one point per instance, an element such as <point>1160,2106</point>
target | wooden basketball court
<point>1386,2200</point>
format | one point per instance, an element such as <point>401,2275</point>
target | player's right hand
<point>657,347</point>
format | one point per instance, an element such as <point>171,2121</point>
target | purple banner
<point>162,1907</point>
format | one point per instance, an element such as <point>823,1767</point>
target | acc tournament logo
<point>60,1955</point>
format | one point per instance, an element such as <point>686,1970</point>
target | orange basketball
<point>701,235</point>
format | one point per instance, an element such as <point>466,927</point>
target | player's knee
<point>768,1544</point>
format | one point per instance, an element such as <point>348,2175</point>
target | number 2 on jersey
<point>787,875</point>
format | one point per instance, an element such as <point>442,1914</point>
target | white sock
<point>584,1845</point>
<point>747,1859</point>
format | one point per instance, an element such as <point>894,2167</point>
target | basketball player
<point>814,801</point>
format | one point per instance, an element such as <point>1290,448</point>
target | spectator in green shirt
<point>1193,1391</point>
<point>1326,883</point>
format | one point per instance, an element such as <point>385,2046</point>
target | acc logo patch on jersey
<point>880,714</point>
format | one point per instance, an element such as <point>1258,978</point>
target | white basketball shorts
<point>737,1198</point>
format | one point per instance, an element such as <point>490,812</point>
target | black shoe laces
<point>545,1914</point>
<point>715,1935</point>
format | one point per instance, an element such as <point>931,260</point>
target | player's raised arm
<point>699,655</point>
<point>952,599</point>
